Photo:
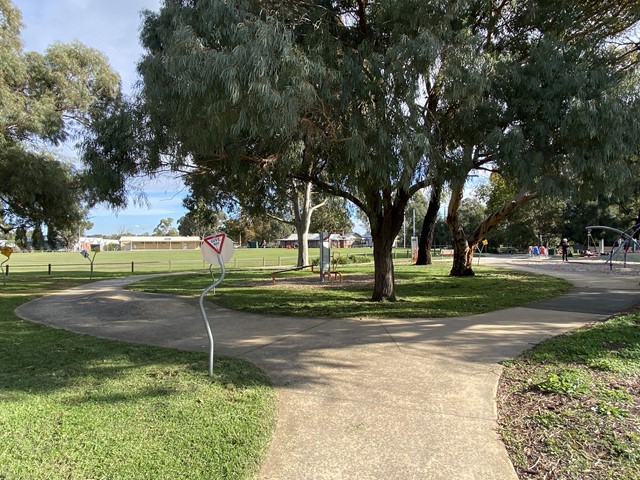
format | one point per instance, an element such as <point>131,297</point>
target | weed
<point>564,382</point>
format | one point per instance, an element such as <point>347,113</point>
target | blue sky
<point>111,26</point>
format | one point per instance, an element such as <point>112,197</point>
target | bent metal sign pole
<point>85,253</point>
<point>6,251</point>
<point>215,251</point>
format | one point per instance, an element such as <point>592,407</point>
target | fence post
<point>279,261</point>
<point>131,266</point>
<point>49,269</point>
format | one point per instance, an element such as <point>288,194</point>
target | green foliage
<point>21,237</point>
<point>93,408</point>
<point>259,228</point>
<point>333,216</point>
<point>201,219</point>
<point>45,98</point>
<point>565,381</point>
<point>372,109</point>
<point>52,238</point>
<point>584,418</point>
<point>37,238</point>
<point>165,228</point>
<point>425,293</point>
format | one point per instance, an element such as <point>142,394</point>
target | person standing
<point>564,248</point>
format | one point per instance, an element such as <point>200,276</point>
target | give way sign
<point>215,245</point>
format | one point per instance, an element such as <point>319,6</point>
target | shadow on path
<point>367,398</point>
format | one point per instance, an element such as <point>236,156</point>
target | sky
<point>111,26</point>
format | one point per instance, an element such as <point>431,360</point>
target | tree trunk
<point>522,197</point>
<point>461,267</point>
<point>384,229</point>
<point>428,227</point>
<point>384,287</point>
<point>302,220</point>
<point>464,246</point>
<point>303,246</point>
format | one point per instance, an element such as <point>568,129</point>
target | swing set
<point>588,252</point>
<point>626,242</point>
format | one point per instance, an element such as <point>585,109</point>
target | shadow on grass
<point>290,348</point>
<point>38,359</point>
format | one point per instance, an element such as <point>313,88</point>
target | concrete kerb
<point>359,399</point>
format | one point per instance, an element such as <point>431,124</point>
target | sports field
<point>153,261</point>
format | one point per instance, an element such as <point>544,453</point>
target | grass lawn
<point>570,407</point>
<point>151,261</point>
<point>422,291</point>
<point>77,407</point>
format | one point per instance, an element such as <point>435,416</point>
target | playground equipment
<point>590,241</point>
<point>6,251</point>
<point>625,241</point>
<point>325,255</point>
<point>215,251</point>
<point>324,262</point>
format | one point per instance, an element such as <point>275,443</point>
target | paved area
<point>362,398</point>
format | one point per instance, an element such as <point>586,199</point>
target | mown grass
<point>570,407</point>
<point>77,407</point>
<point>151,261</point>
<point>422,292</point>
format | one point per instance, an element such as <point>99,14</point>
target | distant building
<point>87,243</point>
<point>337,240</point>
<point>159,243</point>
<point>367,239</point>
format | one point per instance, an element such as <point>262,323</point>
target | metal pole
<point>5,271</point>
<point>414,222</point>
<point>404,232</point>
<point>204,313</point>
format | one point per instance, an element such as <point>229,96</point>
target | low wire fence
<point>51,264</point>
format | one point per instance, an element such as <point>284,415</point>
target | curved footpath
<point>363,398</point>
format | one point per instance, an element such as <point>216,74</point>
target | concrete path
<point>362,398</point>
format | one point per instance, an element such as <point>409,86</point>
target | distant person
<point>564,248</point>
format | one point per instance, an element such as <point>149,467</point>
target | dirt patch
<point>552,436</point>
<point>312,282</point>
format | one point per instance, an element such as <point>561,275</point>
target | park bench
<point>446,251</point>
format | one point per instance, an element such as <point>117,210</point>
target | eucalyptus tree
<point>268,190</point>
<point>313,88</point>
<point>372,101</point>
<point>46,99</point>
<point>554,110</point>
<point>427,231</point>
<point>333,216</point>
<point>201,218</point>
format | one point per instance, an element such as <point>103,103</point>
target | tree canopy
<point>45,99</point>
<point>371,101</point>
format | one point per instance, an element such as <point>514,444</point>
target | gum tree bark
<point>425,243</point>
<point>463,245</point>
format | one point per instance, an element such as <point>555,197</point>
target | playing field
<point>153,261</point>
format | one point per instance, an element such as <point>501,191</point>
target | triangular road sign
<point>215,241</point>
